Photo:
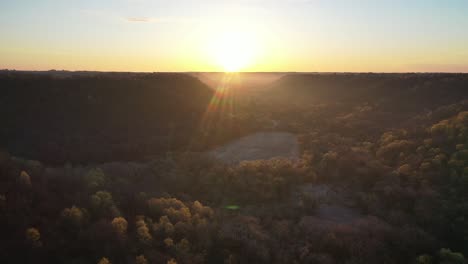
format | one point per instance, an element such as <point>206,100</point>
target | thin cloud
<point>134,19</point>
<point>157,20</point>
<point>138,19</point>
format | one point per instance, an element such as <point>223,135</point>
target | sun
<point>234,51</point>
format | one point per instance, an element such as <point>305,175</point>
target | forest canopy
<point>118,168</point>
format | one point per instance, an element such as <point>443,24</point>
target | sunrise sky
<point>244,35</point>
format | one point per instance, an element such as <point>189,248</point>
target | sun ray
<point>219,112</point>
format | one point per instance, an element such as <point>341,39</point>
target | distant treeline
<point>408,91</point>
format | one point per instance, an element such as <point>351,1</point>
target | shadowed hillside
<point>98,117</point>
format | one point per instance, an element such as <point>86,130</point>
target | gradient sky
<point>287,35</point>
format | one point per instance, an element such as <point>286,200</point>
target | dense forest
<point>116,168</point>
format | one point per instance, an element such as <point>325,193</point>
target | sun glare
<point>234,51</point>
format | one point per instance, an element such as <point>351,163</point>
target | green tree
<point>24,179</point>
<point>103,204</point>
<point>143,234</point>
<point>424,259</point>
<point>33,237</point>
<point>95,178</point>
<point>171,261</point>
<point>164,226</point>
<point>169,242</point>
<point>447,256</point>
<point>104,261</point>
<point>119,224</point>
<point>183,247</point>
<point>73,216</point>
<point>141,260</point>
<point>159,206</point>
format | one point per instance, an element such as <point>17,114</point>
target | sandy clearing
<point>259,146</point>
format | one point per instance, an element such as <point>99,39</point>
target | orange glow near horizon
<point>223,40</point>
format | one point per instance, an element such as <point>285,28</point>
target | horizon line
<point>225,72</point>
